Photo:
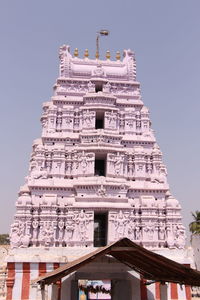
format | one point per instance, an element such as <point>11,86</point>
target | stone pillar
<point>10,280</point>
<point>163,291</point>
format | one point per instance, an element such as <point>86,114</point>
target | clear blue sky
<point>165,36</point>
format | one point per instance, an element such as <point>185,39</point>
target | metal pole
<point>97,46</point>
<point>100,33</point>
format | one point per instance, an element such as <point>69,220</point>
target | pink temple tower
<point>95,175</point>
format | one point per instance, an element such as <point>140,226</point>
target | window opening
<point>99,124</point>
<point>100,167</point>
<point>100,229</point>
<point>98,87</point>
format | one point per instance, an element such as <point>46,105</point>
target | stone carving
<point>19,237</point>
<point>130,167</point>
<point>118,163</point>
<point>85,161</point>
<point>15,235</point>
<point>170,237</point>
<point>180,236</point>
<point>88,118</point>
<point>37,172</point>
<point>44,125</point>
<point>149,231</point>
<point>82,221</point>
<point>26,237</point>
<point>91,87</point>
<point>64,52</point>
<point>131,228</point>
<point>107,87</point>
<point>47,234</point>
<point>112,118</point>
<point>69,227</point>
<point>61,226</point>
<point>120,225</point>
<point>98,71</point>
<point>35,225</point>
<point>138,232</point>
<point>101,191</point>
<point>161,231</point>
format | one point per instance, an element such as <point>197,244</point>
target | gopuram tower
<point>96,175</point>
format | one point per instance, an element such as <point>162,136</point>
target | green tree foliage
<point>195,225</point>
<point>4,239</point>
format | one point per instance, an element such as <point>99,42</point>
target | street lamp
<point>102,32</point>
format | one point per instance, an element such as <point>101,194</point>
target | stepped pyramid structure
<point>96,174</point>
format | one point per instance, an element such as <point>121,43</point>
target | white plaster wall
<point>195,241</point>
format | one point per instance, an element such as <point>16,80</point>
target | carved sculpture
<point>82,221</point>
<point>120,224</point>
<point>69,227</point>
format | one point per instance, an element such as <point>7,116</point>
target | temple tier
<point>96,174</point>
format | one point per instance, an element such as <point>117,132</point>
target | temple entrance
<point>100,229</point>
<point>94,289</point>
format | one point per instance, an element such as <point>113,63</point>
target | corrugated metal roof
<point>151,265</point>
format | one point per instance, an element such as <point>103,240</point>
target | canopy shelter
<point>150,265</point>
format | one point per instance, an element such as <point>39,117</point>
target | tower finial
<point>118,56</point>
<point>108,54</point>
<point>86,54</point>
<point>76,52</point>
<point>100,33</point>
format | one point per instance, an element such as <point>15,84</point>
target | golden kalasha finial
<point>86,54</point>
<point>118,56</point>
<point>97,55</point>
<point>76,52</point>
<point>108,54</point>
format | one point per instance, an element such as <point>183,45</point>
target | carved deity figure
<point>47,235</point>
<point>87,118</point>
<point>112,119</point>
<point>35,225</point>
<point>61,226</point>
<point>131,229</point>
<point>44,125</point>
<point>180,236</point>
<point>37,172</point>
<point>69,226</point>
<point>83,162</point>
<point>91,87</point>
<point>15,235</point>
<point>107,87</point>
<point>82,221</point>
<point>161,231</point>
<point>137,232</point>
<point>120,224</point>
<point>102,191</point>
<point>130,166</point>
<point>18,236</point>
<point>118,163</point>
<point>170,237</point>
<point>149,230</point>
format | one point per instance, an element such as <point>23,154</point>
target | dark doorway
<point>100,167</point>
<point>100,229</point>
<point>98,87</point>
<point>99,124</point>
